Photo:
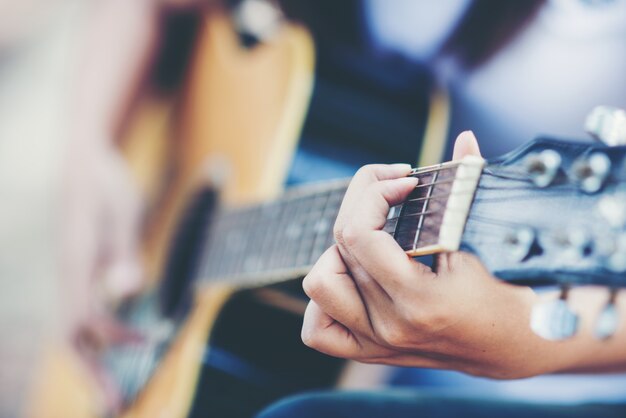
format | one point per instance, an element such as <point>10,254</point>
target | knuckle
<point>338,232</point>
<point>318,285</point>
<point>366,171</point>
<point>393,335</point>
<point>312,285</point>
<point>427,320</point>
<point>350,236</point>
<point>460,263</point>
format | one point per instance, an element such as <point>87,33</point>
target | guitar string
<point>469,230</point>
<point>439,168</point>
<point>409,215</point>
<point>432,184</point>
<point>414,214</point>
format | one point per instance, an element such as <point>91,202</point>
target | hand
<point>372,303</point>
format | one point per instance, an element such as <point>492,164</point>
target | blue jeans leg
<point>413,404</point>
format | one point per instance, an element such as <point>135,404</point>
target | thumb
<point>465,144</point>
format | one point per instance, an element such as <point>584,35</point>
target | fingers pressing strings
<point>371,254</point>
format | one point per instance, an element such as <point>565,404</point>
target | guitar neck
<point>274,240</point>
<point>284,238</point>
<point>432,218</point>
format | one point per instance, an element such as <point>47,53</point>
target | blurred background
<point>109,107</point>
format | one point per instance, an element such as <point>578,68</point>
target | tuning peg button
<point>554,320</point>
<point>613,209</point>
<point>572,243</point>
<point>616,260</point>
<point>607,124</point>
<point>520,242</point>
<point>591,172</point>
<point>607,322</point>
<point>543,167</point>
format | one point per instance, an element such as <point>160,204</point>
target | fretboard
<point>275,239</point>
<point>433,216</point>
<point>285,237</point>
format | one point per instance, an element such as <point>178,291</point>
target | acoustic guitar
<point>223,324</point>
<point>551,212</point>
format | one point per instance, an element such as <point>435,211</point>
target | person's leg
<point>410,404</point>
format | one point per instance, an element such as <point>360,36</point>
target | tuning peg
<point>591,172</point>
<point>572,243</point>
<point>608,320</point>
<point>613,209</point>
<point>607,124</point>
<point>554,320</point>
<point>543,167</point>
<point>614,251</point>
<point>519,242</point>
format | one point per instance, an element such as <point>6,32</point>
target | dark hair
<point>486,27</point>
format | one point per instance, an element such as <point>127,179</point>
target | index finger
<point>365,176</point>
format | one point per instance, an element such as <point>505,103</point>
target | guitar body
<point>228,140</point>
<point>242,110</point>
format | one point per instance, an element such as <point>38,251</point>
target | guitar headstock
<point>549,213</point>
<point>552,212</point>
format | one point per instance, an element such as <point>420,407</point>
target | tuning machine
<point>612,208</point>
<point>554,320</point>
<point>572,243</point>
<point>608,320</point>
<point>607,124</point>
<point>590,172</point>
<point>612,250</point>
<point>519,242</point>
<point>543,167</point>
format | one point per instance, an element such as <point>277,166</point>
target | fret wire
<point>278,247</point>
<point>321,235</point>
<point>315,247</point>
<point>303,215</point>
<point>427,229</point>
<point>424,210</point>
<point>251,247</point>
<point>436,197</point>
<point>285,239</point>
<point>214,259</point>
<point>273,212</point>
<point>320,204</point>
<point>315,216</point>
<point>427,212</point>
<point>312,230</point>
<point>302,230</point>
<point>228,253</point>
<point>268,245</point>
<point>232,248</point>
<point>205,252</point>
<point>233,221</point>
<point>452,180</point>
<point>435,168</point>
<point>332,210</point>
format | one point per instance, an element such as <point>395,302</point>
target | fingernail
<point>408,181</point>
<point>401,166</point>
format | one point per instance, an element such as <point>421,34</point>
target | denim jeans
<point>411,403</point>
